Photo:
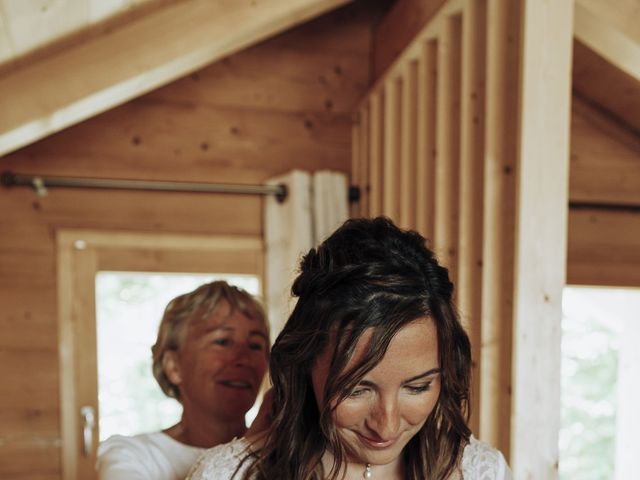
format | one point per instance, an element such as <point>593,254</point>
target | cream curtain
<point>315,205</point>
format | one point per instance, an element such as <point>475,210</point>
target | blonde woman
<point>211,355</point>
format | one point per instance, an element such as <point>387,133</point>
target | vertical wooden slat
<point>364,181</point>
<point>499,222</point>
<point>391,174</point>
<point>471,186</point>
<point>408,146</point>
<point>68,411</point>
<point>357,131</point>
<point>84,318</point>
<point>376,145</point>
<point>426,141</point>
<point>541,234</point>
<point>448,144</point>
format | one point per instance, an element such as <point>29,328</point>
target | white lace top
<point>479,462</point>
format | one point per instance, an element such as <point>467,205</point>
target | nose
<point>240,355</point>
<point>384,418</point>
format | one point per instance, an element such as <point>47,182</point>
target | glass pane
<point>129,308</point>
<point>600,388</point>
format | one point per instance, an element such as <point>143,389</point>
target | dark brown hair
<point>368,275</point>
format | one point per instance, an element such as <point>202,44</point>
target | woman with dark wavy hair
<point>370,373</point>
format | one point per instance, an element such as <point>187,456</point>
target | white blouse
<point>479,462</point>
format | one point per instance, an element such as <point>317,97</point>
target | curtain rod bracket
<point>282,193</point>
<point>39,187</point>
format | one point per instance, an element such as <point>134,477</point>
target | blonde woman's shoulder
<point>482,462</point>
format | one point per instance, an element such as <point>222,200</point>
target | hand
<point>263,420</point>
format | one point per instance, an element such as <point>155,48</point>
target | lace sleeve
<point>481,462</point>
<point>221,462</point>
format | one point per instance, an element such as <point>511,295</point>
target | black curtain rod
<point>618,207</point>
<point>40,184</point>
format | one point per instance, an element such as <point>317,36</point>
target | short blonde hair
<point>184,309</point>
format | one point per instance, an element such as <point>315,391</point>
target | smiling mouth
<point>237,384</point>
<point>376,443</point>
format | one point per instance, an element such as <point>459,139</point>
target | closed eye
<point>358,392</point>
<point>418,389</point>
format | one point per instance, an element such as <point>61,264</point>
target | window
<point>600,384</point>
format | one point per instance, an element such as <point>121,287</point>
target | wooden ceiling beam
<point>398,28</point>
<point>593,30</point>
<point>89,78</point>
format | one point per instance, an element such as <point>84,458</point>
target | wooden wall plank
<point>408,139</point>
<point>426,146</point>
<point>227,261</point>
<point>448,145</point>
<point>540,264</point>
<point>391,160</point>
<point>604,248</point>
<point>605,158</point>
<point>472,186</point>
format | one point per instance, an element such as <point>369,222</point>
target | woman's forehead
<point>419,336</point>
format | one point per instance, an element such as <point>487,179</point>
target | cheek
<point>210,362</point>
<point>259,363</point>
<point>416,410</point>
<point>348,413</point>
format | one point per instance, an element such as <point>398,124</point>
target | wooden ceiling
<point>122,54</point>
<point>63,61</point>
<point>26,26</point>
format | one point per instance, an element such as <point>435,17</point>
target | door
<point>81,254</point>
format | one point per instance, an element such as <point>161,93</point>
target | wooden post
<point>541,233</point>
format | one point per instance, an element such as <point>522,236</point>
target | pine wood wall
<point>603,244</point>
<point>283,104</point>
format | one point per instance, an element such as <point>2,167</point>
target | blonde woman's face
<point>393,401</point>
<point>221,363</point>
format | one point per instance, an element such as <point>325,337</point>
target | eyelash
<point>357,392</point>
<point>418,389</point>
<point>413,390</point>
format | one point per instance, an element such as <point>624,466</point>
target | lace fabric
<point>479,462</point>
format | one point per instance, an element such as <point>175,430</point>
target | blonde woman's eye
<point>256,346</point>
<point>223,342</point>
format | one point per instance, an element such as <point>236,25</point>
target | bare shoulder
<point>223,462</point>
<point>483,462</point>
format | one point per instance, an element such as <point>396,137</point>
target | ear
<point>171,367</point>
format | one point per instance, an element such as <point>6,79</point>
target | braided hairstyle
<point>367,276</point>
